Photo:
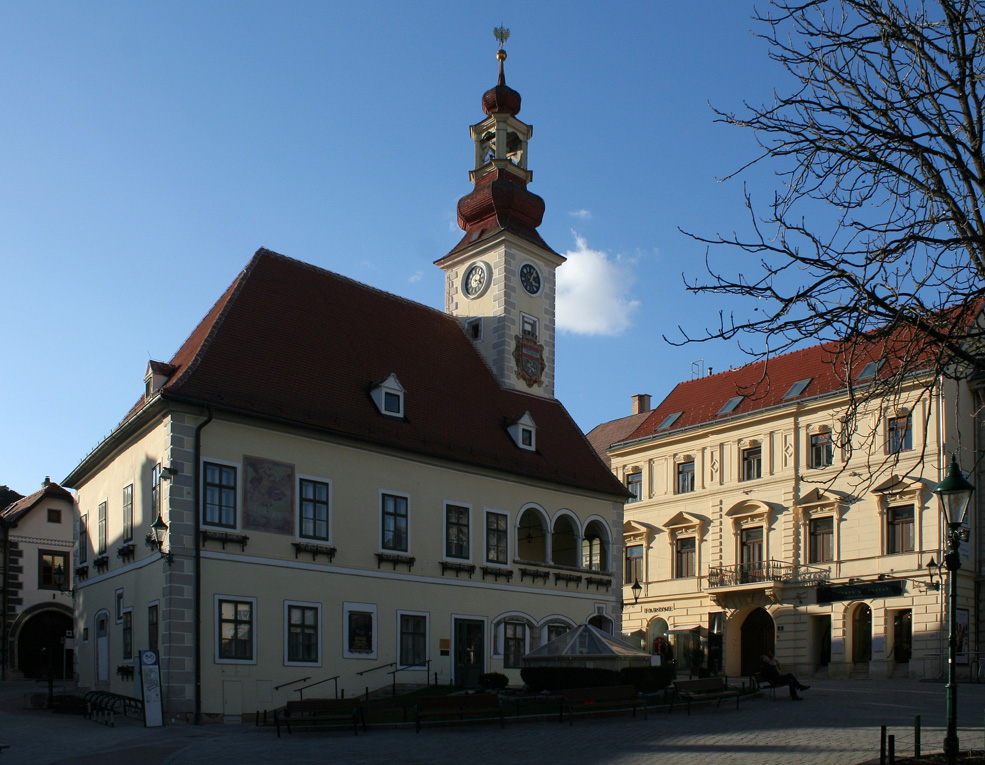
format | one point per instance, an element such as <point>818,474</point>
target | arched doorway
<point>41,645</point>
<point>758,638</point>
<point>903,636</point>
<point>862,634</point>
<point>658,642</point>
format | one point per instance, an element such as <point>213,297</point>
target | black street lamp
<point>637,588</point>
<point>954,493</point>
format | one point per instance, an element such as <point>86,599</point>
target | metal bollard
<point>882,745</point>
<point>916,737</point>
<point>892,750</point>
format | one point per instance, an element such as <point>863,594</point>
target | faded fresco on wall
<point>268,495</point>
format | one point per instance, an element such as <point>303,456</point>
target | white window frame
<point>216,628</point>
<point>427,638</point>
<point>392,386</point>
<point>524,424</point>
<point>350,607</point>
<point>444,531</point>
<point>239,487</point>
<point>287,633</point>
<point>326,540</point>
<point>402,495</point>
<point>486,512</point>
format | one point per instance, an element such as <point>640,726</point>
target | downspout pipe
<point>197,494</point>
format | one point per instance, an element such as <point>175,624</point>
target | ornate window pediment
<point>636,531</point>
<point>819,501</point>
<point>896,489</point>
<point>685,523</point>
<point>749,511</point>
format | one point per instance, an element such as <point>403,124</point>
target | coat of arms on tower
<point>529,357</point>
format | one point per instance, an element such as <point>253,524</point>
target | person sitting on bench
<point>771,673</point>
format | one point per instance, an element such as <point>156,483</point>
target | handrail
<point>284,685</point>
<point>426,665</point>
<point>303,688</point>
<point>382,666</point>
<point>762,572</point>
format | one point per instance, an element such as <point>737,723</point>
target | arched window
<point>564,542</point>
<point>594,548</point>
<point>531,538</point>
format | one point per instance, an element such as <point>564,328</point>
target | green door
<point>469,652</point>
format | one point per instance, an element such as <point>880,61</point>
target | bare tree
<point>876,239</point>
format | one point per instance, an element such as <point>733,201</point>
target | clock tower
<point>500,278</point>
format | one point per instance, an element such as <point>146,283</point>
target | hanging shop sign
<point>863,591</point>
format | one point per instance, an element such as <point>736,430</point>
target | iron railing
<point>766,571</point>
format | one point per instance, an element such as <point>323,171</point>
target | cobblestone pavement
<point>837,724</point>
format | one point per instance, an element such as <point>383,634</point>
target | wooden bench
<point>703,689</point>
<point>584,700</point>
<point>320,714</point>
<point>458,707</point>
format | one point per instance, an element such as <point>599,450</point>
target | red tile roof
<point>765,383</point>
<point>601,437</point>
<point>296,343</point>
<point>12,513</point>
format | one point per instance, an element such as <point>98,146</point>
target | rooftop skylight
<point>797,388</point>
<point>669,420</point>
<point>731,404</point>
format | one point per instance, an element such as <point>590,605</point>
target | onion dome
<point>502,98</point>
<point>502,198</point>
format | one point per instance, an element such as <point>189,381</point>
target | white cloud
<point>593,295</point>
<point>581,214</point>
<point>416,277</point>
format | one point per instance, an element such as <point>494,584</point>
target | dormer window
<point>869,371</point>
<point>389,397</point>
<point>158,373</point>
<point>523,431</point>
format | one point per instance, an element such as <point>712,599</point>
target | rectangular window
<point>314,509</point>
<point>685,477</point>
<point>83,538</point>
<point>102,529</point>
<point>528,326</point>
<point>391,402</point>
<point>236,630</point>
<point>128,635</point>
<point>220,495</point>
<point>822,540</point>
<point>395,523</point>
<point>514,644</point>
<point>634,564</point>
<point>456,531</point>
<point>302,634</point>
<point>752,463</point>
<point>555,631</point>
<point>899,437</point>
<point>152,626</point>
<point>155,490</point>
<point>360,629</point>
<point>52,566</point>
<point>685,558</point>
<point>413,640</point>
<point>751,542</point>
<point>497,536</point>
<point>899,537</point>
<point>822,455</point>
<point>128,513</point>
<point>634,482</point>
<point>54,515</point>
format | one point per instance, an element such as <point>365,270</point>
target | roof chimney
<point>47,482</point>
<point>641,403</point>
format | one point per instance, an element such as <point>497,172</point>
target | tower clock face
<point>476,279</point>
<point>530,278</point>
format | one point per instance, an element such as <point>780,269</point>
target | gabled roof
<point>294,343</point>
<point>12,513</point>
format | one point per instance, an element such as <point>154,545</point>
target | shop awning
<point>684,628</point>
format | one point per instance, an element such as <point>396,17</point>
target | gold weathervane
<point>502,34</point>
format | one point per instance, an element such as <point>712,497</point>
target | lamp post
<point>954,493</point>
<point>637,588</point>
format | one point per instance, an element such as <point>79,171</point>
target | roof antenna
<point>697,369</point>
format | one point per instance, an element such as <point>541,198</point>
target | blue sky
<point>148,149</point>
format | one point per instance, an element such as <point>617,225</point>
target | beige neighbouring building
<point>36,556</point>
<point>349,484</point>
<point>753,528</point>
